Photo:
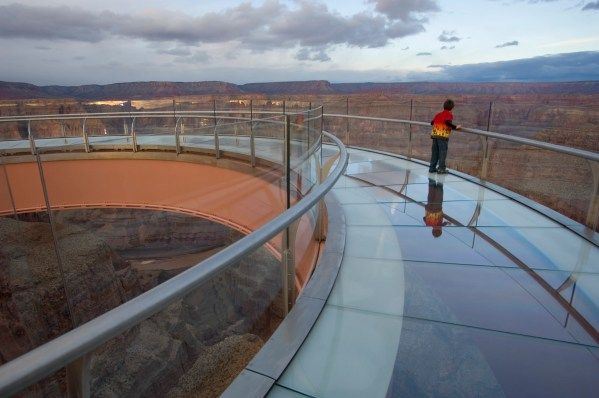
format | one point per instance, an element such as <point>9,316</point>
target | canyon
<point>199,342</point>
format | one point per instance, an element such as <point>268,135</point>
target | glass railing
<point>562,178</point>
<point>116,287</point>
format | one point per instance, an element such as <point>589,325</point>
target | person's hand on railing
<point>458,127</point>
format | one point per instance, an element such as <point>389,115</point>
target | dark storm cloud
<point>448,37</point>
<point>508,44</point>
<point>273,24</point>
<point>559,67</point>
<point>591,6</point>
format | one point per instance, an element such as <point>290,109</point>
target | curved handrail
<point>590,155</point>
<point>581,153</point>
<point>42,361</point>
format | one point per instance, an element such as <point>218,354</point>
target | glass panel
<point>57,133</point>
<point>13,131</point>
<point>112,132</point>
<point>355,365</point>
<point>35,308</point>
<point>154,132</point>
<point>196,133</point>
<point>198,343</point>
<point>437,359</point>
<point>561,182</point>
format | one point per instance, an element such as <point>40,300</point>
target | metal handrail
<point>46,359</point>
<point>163,113</point>
<point>581,153</point>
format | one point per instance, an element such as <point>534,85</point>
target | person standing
<point>442,126</point>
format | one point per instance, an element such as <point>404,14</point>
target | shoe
<point>432,171</point>
<point>442,171</point>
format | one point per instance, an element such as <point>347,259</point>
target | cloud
<point>591,6</point>
<point>405,48</point>
<point>306,54</point>
<point>405,10</point>
<point>439,66</point>
<point>423,54</point>
<point>447,48</point>
<point>271,25</point>
<point>576,66</point>
<point>448,37</point>
<point>198,57</point>
<point>508,44</point>
<point>177,51</point>
<point>49,23</point>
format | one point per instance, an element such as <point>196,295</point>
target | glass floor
<point>449,289</point>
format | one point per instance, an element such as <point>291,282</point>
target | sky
<point>67,42</point>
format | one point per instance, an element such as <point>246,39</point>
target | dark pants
<point>438,154</point>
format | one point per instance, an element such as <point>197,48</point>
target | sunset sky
<point>86,42</point>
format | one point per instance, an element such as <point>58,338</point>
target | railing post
<point>287,159</point>
<point>252,140</point>
<point>410,129</point>
<point>177,141</point>
<point>288,266</point>
<point>216,142</point>
<point>347,121</point>
<point>592,220</point>
<point>490,116</point>
<point>30,137</point>
<point>485,143</point>
<point>78,377</point>
<point>284,107</point>
<point>485,163</point>
<point>133,136</point>
<point>85,137</point>
<point>308,128</point>
<point>320,233</point>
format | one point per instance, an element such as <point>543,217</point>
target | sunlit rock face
<point>109,256</point>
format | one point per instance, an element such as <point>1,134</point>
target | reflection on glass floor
<point>462,292</point>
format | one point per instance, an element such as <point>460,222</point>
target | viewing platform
<point>410,283</point>
<point>501,303</point>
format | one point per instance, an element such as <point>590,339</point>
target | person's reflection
<point>433,211</point>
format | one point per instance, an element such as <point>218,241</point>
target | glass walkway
<point>493,299</point>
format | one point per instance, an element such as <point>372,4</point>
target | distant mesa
<point>155,89</point>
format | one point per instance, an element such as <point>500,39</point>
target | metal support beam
<point>40,169</point>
